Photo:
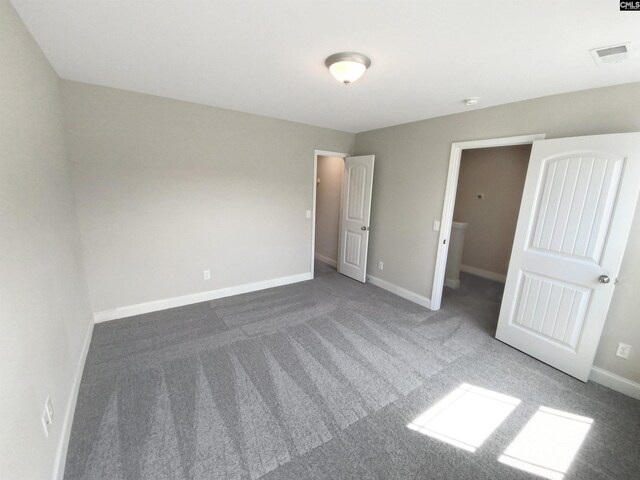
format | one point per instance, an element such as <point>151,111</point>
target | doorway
<point>489,191</point>
<point>446,224</point>
<point>329,177</point>
<point>575,217</point>
<point>352,177</point>
<point>318,155</point>
<point>490,185</point>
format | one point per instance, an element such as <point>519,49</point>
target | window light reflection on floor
<point>548,443</point>
<point>466,417</point>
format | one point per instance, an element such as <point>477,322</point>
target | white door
<point>355,211</point>
<point>578,203</point>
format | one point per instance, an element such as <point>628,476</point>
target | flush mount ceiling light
<point>347,67</point>
<point>471,102</point>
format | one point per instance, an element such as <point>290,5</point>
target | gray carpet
<point>319,380</point>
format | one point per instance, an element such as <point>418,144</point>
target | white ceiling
<point>267,57</point>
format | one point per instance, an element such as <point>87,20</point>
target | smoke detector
<point>611,54</point>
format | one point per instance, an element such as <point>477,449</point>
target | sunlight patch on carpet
<point>548,443</point>
<point>466,417</point>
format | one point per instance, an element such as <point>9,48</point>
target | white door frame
<point>318,153</point>
<point>450,200</point>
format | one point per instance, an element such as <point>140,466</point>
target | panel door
<point>355,213</point>
<point>577,207</point>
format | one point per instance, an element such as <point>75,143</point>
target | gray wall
<point>44,309</point>
<point>411,172</point>
<point>167,189</point>
<point>498,174</point>
<point>330,170</point>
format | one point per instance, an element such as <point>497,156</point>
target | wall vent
<point>611,54</point>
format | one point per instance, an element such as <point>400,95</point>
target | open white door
<point>578,203</point>
<point>355,212</point>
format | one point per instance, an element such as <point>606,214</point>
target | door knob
<point>604,279</point>
<point>364,228</point>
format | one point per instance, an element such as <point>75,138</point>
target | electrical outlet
<point>436,225</point>
<point>308,214</point>
<point>623,350</point>
<point>207,274</point>
<point>380,266</point>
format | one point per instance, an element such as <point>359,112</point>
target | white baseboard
<point>327,260</point>
<point>401,292</point>
<point>451,283</point>
<point>478,272</point>
<point>615,382</point>
<point>61,453</point>
<point>163,304</point>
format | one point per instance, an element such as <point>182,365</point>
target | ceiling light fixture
<point>471,102</point>
<point>347,67</point>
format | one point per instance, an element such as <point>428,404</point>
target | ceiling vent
<point>611,54</point>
